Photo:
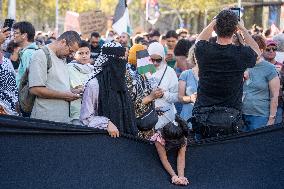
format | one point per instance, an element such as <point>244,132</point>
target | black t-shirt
<point>221,69</point>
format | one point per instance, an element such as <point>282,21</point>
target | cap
<point>271,43</point>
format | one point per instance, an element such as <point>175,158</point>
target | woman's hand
<point>157,93</point>
<point>271,121</point>
<point>112,130</point>
<point>193,97</point>
<point>189,99</point>
<point>4,34</point>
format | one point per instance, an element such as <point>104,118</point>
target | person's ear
<point>214,28</point>
<point>25,35</point>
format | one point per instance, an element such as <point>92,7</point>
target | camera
<point>8,23</point>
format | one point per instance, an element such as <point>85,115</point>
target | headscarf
<point>8,87</point>
<point>156,48</point>
<point>132,57</point>
<point>114,99</point>
<point>104,56</point>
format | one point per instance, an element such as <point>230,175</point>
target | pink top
<point>158,137</point>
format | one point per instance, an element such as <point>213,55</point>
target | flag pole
<point>56,17</point>
<point>239,3</point>
<point>12,9</point>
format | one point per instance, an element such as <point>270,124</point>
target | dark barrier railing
<point>43,154</point>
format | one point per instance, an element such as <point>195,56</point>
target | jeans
<point>254,122</point>
<point>178,107</point>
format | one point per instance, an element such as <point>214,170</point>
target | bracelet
<point>272,116</point>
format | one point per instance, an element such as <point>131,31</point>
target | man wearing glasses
<point>270,53</point>
<point>51,86</point>
<point>23,35</point>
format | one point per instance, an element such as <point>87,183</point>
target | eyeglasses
<point>269,49</point>
<point>159,60</point>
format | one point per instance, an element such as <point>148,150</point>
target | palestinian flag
<point>144,65</point>
<point>121,23</point>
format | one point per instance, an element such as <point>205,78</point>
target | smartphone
<point>8,23</point>
<point>163,109</point>
<point>237,11</point>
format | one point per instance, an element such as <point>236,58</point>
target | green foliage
<point>41,12</point>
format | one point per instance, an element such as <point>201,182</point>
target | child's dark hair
<point>175,136</point>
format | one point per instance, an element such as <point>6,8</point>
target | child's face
<point>83,55</point>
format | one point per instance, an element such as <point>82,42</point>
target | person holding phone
<point>8,88</point>
<point>79,71</point>
<point>168,83</point>
<point>221,70</point>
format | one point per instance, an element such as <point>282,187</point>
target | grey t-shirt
<point>57,78</point>
<point>256,89</point>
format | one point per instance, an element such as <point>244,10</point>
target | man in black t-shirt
<point>221,68</point>
<point>96,44</point>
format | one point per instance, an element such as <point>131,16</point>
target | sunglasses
<point>269,49</point>
<point>159,60</point>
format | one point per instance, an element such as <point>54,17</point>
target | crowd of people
<point>157,87</point>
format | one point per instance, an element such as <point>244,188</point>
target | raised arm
<point>206,32</point>
<point>248,39</point>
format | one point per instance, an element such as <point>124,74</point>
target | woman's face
<point>157,60</point>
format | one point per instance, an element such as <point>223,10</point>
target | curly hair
<point>226,23</point>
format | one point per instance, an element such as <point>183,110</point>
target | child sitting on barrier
<point>173,136</point>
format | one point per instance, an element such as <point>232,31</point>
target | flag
<point>152,11</point>
<point>121,23</point>
<point>144,65</point>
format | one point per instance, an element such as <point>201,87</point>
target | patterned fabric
<point>159,138</point>
<point>8,87</point>
<point>147,135</point>
<point>102,58</point>
<point>138,87</point>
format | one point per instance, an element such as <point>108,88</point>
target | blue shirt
<point>256,97</point>
<point>191,88</point>
<point>25,57</point>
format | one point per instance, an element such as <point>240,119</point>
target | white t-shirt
<point>57,78</point>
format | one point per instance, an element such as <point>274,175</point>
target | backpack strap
<point>48,57</point>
